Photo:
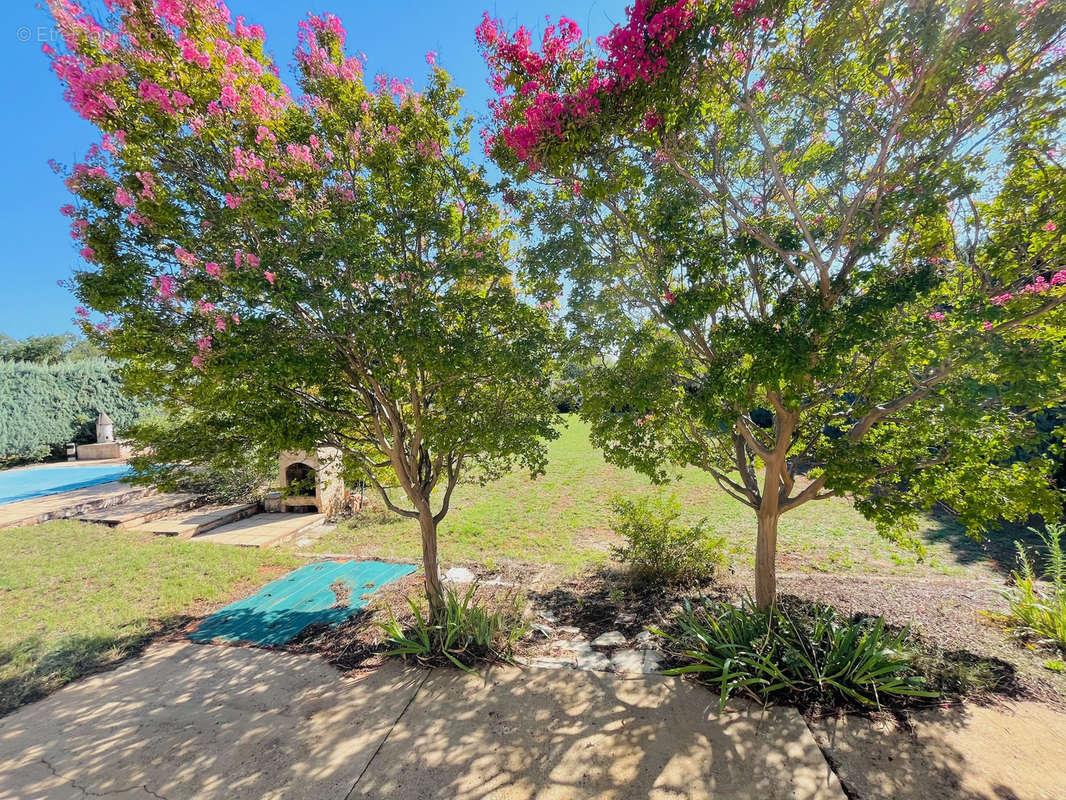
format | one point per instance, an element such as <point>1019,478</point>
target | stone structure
<point>309,480</point>
<point>105,429</point>
<point>106,446</point>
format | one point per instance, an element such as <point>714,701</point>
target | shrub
<point>44,406</point>
<point>463,631</point>
<point>657,548</point>
<point>1039,612</point>
<point>807,653</point>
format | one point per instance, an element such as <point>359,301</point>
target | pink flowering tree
<point>817,247</point>
<point>327,269</point>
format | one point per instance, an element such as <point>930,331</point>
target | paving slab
<point>513,734</point>
<point>70,504</point>
<point>261,530</point>
<point>135,513</point>
<point>204,722</point>
<point>1007,752</point>
<point>200,520</point>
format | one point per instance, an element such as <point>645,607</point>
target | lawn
<point>562,520</point>
<point>77,598</point>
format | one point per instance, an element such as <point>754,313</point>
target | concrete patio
<point>191,721</point>
<point>202,721</point>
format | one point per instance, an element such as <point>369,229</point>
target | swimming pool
<point>23,484</point>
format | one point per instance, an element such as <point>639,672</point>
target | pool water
<point>23,484</point>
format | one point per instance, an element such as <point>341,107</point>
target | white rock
<point>646,638</point>
<point>547,615</point>
<point>628,660</point>
<point>593,661</point>
<point>639,661</point>
<point>609,639</point>
<point>459,575</point>
<point>575,646</point>
<point>651,661</point>
<point>552,663</point>
<point>569,630</point>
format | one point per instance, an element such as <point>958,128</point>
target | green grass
<point>77,598</point>
<point>562,520</point>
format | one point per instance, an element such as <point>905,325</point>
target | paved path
<point>200,721</point>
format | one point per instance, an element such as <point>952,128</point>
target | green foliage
<point>43,407</point>
<point>658,548</point>
<point>1038,609</point>
<point>805,653</point>
<point>47,349</point>
<point>814,256</point>
<point>207,453</point>
<point>329,272</point>
<point>461,630</point>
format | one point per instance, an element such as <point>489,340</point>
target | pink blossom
<point>80,311</point>
<point>669,296</point>
<point>213,269</point>
<point>67,210</point>
<point>87,253</point>
<point>233,201</point>
<point>124,198</point>
<point>986,325</point>
<point>251,260</point>
<point>204,344</point>
<point>1001,300</point>
<point>220,324</point>
<point>270,276</point>
<point>164,284</point>
<point>431,58</point>
<point>1050,226</point>
<point>198,362</point>
<point>229,97</point>
<point>1059,278</point>
<point>236,319</point>
<point>938,316</point>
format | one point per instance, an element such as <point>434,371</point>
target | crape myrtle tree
<point>327,269</point>
<point>821,242</point>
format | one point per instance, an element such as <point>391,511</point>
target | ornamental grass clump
<point>461,629</point>
<point>1038,608</point>
<point>801,653</point>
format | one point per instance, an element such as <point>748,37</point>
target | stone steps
<point>75,504</point>
<point>138,512</point>
<point>261,530</point>
<point>198,521</point>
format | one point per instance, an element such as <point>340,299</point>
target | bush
<point>463,632</point>
<point>659,549</point>
<point>1039,612</point>
<point>805,653</point>
<point>203,453</point>
<point>43,407</point>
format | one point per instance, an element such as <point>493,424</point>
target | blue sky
<point>37,125</point>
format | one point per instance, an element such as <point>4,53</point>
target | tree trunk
<point>766,559</point>
<point>434,591</point>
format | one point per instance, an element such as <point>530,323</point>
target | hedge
<point>43,407</point>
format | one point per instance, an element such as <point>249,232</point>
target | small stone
<point>625,619</point>
<point>651,661</point>
<point>628,660</point>
<point>459,575</point>
<point>544,630</point>
<point>609,639</point>
<point>569,630</point>
<point>576,646</point>
<point>547,615</point>
<point>645,638</point>
<point>593,661</point>
<point>552,663</point>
